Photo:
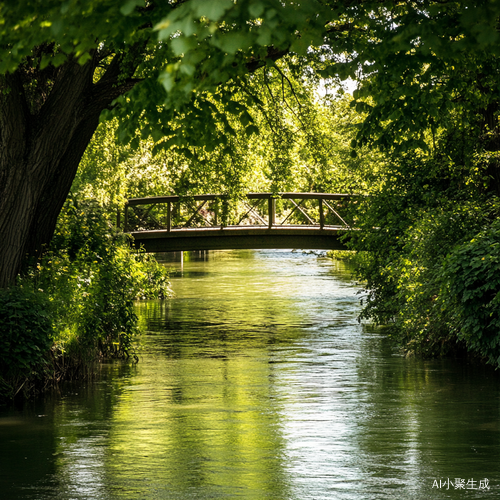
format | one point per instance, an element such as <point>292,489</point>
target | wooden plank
<point>251,196</point>
<point>173,199</point>
<point>300,196</point>
<point>315,196</point>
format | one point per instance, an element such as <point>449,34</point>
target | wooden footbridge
<point>216,222</point>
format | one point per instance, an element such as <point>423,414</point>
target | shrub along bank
<point>74,305</point>
<point>431,259</point>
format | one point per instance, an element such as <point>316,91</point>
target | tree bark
<point>40,152</point>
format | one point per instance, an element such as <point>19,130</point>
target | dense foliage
<point>75,305</point>
<point>470,296</point>
<point>430,265</point>
<point>26,333</point>
<point>92,273</point>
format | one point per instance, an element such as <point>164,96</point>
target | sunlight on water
<point>257,381</point>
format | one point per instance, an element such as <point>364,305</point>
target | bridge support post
<point>271,211</point>
<point>321,214</point>
<point>169,216</point>
<point>225,210</point>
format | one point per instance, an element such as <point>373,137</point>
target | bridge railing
<point>218,211</point>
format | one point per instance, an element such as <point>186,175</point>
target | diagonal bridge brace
<point>251,209</point>
<point>335,212</point>
<point>196,213</point>
<point>300,209</point>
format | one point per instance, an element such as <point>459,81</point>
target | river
<point>256,381</point>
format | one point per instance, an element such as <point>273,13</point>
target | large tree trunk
<point>40,151</point>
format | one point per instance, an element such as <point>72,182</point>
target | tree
<point>303,145</point>
<point>61,65</point>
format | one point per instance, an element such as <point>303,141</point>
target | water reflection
<point>257,381</point>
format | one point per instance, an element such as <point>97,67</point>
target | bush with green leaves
<point>26,330</point>
<point>76,304</point>
<point>93,276</point>
<point>423,326</point>
<point>428,232</point>
<point>470,295</point>
<point>26,335</point>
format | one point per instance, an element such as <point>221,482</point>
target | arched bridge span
<point>313,221</point>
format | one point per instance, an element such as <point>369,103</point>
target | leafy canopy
<point>411,56</point>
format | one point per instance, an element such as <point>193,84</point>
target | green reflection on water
<point>206,427</point>
<point>429,420</point>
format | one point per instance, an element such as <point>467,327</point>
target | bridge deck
<point>240,237</point>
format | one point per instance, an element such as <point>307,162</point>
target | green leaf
<point>245,118</point>
<point>84,58</point>
<point>187,153</point>
<point>212,9</point>
<point>264,37</point>
<point>256,8</point>
<point>300,46</point>
<point>232,42</point>
<point>57,26</point>
<point>46,60</point>
<point>173,141</point>
<point>128,7</point>
<point>183,44</point>
<point>59,59</point>
<point>251,129</point>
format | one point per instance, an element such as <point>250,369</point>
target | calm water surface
<point>256,381</point>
